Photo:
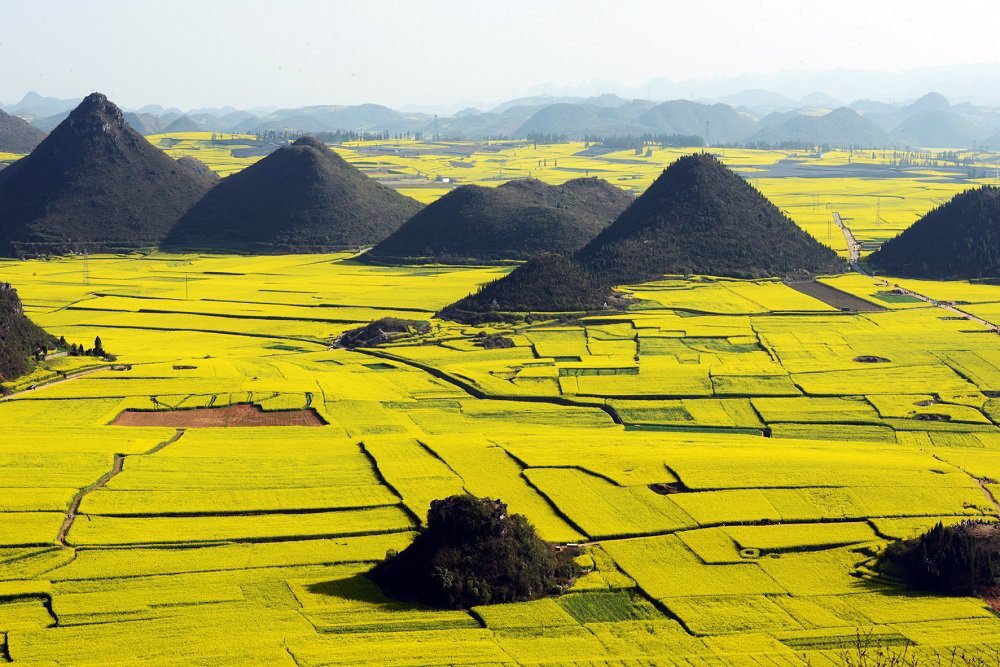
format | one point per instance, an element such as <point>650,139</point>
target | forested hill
<point>517,220</point>
<point>959,240</point>
<point>20,338</point>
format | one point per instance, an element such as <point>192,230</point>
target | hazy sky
<point>192,53</point>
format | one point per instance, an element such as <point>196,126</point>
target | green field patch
<point>609,606</point>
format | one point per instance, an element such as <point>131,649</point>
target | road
<point>65,378</point>
<point>854,250</point>
<point>853,247</point>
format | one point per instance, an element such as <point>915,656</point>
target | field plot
<point>639,435</point>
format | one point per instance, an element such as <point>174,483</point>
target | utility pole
<point>86,267</point>
<point>185,287</point>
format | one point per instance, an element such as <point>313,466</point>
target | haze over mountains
<point>752,116</point>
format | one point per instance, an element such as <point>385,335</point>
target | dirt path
<point>65,378</point>
<point>989,495</point>
<point>982,485</point>
<point>171,440</point>
<point>74,505</point>
<point>854,249</point>
<point>116,467</point>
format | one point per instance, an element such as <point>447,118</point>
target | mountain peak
<point>301,198</point>
<point>701,217</point>
<point>95,117</point>
<point>931,102</point>
<point>310,142</point>
<point>93,183</point>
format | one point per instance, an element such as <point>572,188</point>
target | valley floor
<point>640,435</point>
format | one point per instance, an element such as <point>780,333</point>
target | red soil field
<point>231,415</point>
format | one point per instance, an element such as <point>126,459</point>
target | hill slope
<point>724,124</point>
<point>938,129</point>
<point>93,183</point>
<point>698,217</point>
<point>300,198</point>
<point>840,127</point>
<point>18,135</point>
<point>959,240</point>
<point>517,220</point>
<point>19,336</point>
<point>182,124</point>
<point>547,283</point>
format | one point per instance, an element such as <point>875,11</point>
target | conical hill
<point>699,217</point>
<point>958,240</point>
<point>517,220</point>
<point>20,338</point>
<point>93,184</point>
<point>300,198</point>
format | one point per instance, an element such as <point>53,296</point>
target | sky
<point>248,53</point>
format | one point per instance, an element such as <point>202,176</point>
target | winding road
<point>854,250</point>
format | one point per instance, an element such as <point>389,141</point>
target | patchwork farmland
<point>639,435</point>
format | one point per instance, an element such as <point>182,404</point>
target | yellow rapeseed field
<point>639,435</point>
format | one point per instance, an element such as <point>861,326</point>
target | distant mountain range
<point>750,117</point>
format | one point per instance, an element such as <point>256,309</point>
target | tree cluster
<point>77,350</point>
<point>473,552</point>
<point>955,560</point>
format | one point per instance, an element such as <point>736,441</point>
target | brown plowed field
<point>232,415</point>
<point>834,297</point>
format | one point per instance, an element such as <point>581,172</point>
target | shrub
<point>955,560</point>
<point>473,552</point>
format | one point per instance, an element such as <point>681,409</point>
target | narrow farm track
<point>854,249</point>
<point>979,482</point>
<point>116,467</point>
<point>171,440</point>
<point>74,505</point>
<point>65,378</point>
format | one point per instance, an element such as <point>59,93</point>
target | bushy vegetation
<point>300,198</point>
<point>20,338</point>
<point>960,239</point>
<point>474,552</point>
<point>517,220</point>
<point>548,283</point>
<point>382,331</point>
<point>956,560</point>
